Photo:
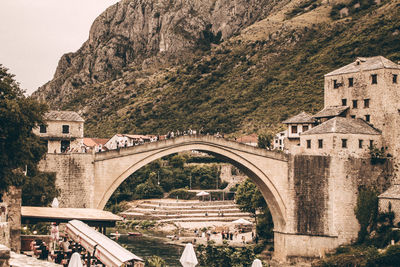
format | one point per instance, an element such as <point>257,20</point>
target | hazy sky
<point>34,34</point>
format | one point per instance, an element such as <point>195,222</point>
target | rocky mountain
<point>230,66</point>
<point>149,33</point>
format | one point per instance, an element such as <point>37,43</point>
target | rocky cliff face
<point>150,67</point>
<point>149,33</point>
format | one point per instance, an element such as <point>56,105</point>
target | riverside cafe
<point>97,244</point>
<point>104,249</point>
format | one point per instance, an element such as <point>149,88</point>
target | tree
<point>250,199</point>
<point>265,141</point>
<point>20,148</point>
<point>148,190</point>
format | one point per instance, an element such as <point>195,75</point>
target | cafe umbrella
<point>188,258</point>
<point>202,194</point>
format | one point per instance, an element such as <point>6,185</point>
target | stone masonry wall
<point>4,225</point>
<point>12,198</point>
<point>74,178</point>
<point>311,174</point>
<point>347,176</point>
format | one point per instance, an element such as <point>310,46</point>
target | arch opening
<point>263,182</point>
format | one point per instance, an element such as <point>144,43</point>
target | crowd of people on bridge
<point>124,141</point>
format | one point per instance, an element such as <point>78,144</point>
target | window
<point>367,118</point>
<point>351,82</point>
<point>305,128</point>
<point>374,78</point>
<point>320,143</point>
<point>280,141</point>
<point>294,129</point>
<point>335,84</point>
<point>344,102</point>
<point>353,116</point>
<point>65,129</point>
<point>308,143</point>
<point>344,143</point>
<point>360,143</point>
<point>64,145</point>
<point>366,103</point>
<point>394,78</point>
<point>354,103</point>
<point>42,129</point>
<point>371,143</point>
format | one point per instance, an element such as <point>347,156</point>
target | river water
<point>147,245</point>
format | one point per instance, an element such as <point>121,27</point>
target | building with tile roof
<point>127,140</point>
<point>362,64</point>
<point>96,144</point>
<point>331,112</point>
<point>295,126</point>
<point>56,115</point>
<point>251,140</point>
<point>63,131</point>
<point>340,136</point>
<point>370,88</point>
<point>390,200</point>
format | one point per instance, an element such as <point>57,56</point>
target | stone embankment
<point>185,211</point>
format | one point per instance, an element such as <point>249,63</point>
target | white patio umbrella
<point>202,193</point>
<point>241,221</point>
<point>55,203</point>
<point>188,258</point>
<point>257,263</point>
<point>75,260</point>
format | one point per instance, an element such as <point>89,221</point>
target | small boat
<point>134,234</point>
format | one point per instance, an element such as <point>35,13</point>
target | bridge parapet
<point>192,139</point>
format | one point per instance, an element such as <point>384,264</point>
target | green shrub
<point>366,212</point>
<point>148,190</point>
<point>155,261</point>
<point>391,257</point>
<point>147,224</point>
<point>182,194</point>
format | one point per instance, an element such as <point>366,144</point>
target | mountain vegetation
<point>245,82</point>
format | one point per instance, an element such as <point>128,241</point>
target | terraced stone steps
<point>186,211</point>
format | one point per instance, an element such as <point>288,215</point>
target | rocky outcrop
<point>148,32</point>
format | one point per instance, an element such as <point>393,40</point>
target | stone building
<point>370,87</point>
<point>63,131</point>
<point>295,126</point>
<point>279,140</point>
<point>340,136</point>
<point>126,140</point>
<point>94,144</point>
<point>361,110</point>
<point>390,200</point>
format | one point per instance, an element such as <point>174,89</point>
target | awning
<point>93,217</point>
<point>107,251</point>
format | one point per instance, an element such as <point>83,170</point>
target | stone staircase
<point>185,211</point>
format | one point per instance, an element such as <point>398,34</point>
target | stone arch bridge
<point>310,197</point>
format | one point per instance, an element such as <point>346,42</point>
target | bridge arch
<point>268,170</point>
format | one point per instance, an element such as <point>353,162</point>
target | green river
<point>146,246</point>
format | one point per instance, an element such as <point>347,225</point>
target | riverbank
<point>189,221</point>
